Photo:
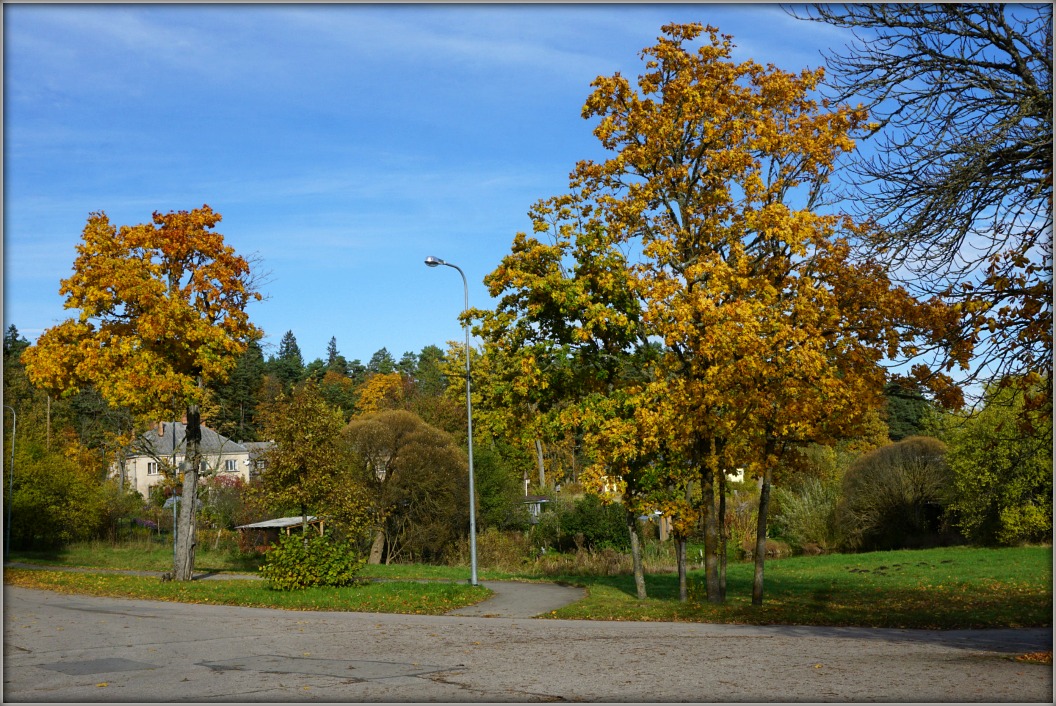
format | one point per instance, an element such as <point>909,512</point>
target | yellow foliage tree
<point>161,314</point>
<point>382,391</point>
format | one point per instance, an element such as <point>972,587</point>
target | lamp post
<point>10,484</point>
<point>433,262</point>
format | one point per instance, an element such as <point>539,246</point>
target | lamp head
<point>434,261</point>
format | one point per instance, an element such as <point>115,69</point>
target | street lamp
<point>433,262</point>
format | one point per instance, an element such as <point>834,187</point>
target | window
<point>152,468</point>
<point>230,465</point>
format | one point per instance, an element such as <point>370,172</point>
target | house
<point>163,448</point>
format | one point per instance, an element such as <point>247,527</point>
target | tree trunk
<point>760,537</point>
<point>711,529</point>
<point>377,547</point>
<point>304,525</point>
<point>680,551</point>
<point>187,526</point>
<point>636,556</point>
<point>539,461</point>
<point>723,532</point>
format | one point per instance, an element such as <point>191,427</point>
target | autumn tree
<point>414,475</point>
<point>771,333</point>
<point>564,342</point>
<point>161,315</point>
<point>308,470</point>
<point>959,174</point>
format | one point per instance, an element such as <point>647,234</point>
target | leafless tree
<point>958,180</point>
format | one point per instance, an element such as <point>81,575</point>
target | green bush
<point>585,524</point>
<point>808,514</point>
<point>320,561</point>
<point>1002,473</point>
<point>893,496</point>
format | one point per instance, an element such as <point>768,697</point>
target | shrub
<point>296,563</point>
<point>808,515</point>
<point>592,525</point>
<point>496,549</point>
<point>1002,473</point>
<point>893,496</point>
<point>742,519</point>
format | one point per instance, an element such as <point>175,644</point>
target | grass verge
<point>420,598</point>
<point>944,588</point>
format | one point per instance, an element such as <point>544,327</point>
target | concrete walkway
<point>509,599</point>
<point>521,599</point>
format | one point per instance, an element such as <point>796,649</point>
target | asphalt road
<point>83,649</point>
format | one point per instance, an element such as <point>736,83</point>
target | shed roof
<point>278,522</point>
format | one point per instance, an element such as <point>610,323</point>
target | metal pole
<point>10,484</point>
<point>433,262</point>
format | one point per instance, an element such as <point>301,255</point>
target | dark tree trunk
<point>723,533</point>
<point>711,528</point>
<point>760,538</point>
<point>187,526</point>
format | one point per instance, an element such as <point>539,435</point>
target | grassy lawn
<point>937,588</point>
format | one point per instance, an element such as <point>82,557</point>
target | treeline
<point>348,385</point>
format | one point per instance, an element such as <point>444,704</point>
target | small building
<point>260,536</point>
<point>535,506</point>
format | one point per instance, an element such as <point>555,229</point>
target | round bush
<point>893,497</point>
<point>320,561</point>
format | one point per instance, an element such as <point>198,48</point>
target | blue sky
<point>342,143</point>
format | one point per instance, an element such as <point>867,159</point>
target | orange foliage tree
<point>161,314</point>
<point>772,335</point>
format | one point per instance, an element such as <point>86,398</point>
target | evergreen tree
<point>408,365</point>
<point>288,366</point>
<point>239,396</point>
<point>335,362</point>
<point>381,362</point>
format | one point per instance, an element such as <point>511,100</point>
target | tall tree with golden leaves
<point>772,334</point>
<point>161,314</point>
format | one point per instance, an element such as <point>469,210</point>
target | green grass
<point>139,554</point>
<point>937,588</point>
<point>423,598</point>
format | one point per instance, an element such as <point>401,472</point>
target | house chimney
<point>161,429</point>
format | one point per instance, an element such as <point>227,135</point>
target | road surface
<point>83,648</point>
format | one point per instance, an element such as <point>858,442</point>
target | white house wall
<point>136,468</point>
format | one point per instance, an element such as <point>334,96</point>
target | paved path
<point>75,648</point>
